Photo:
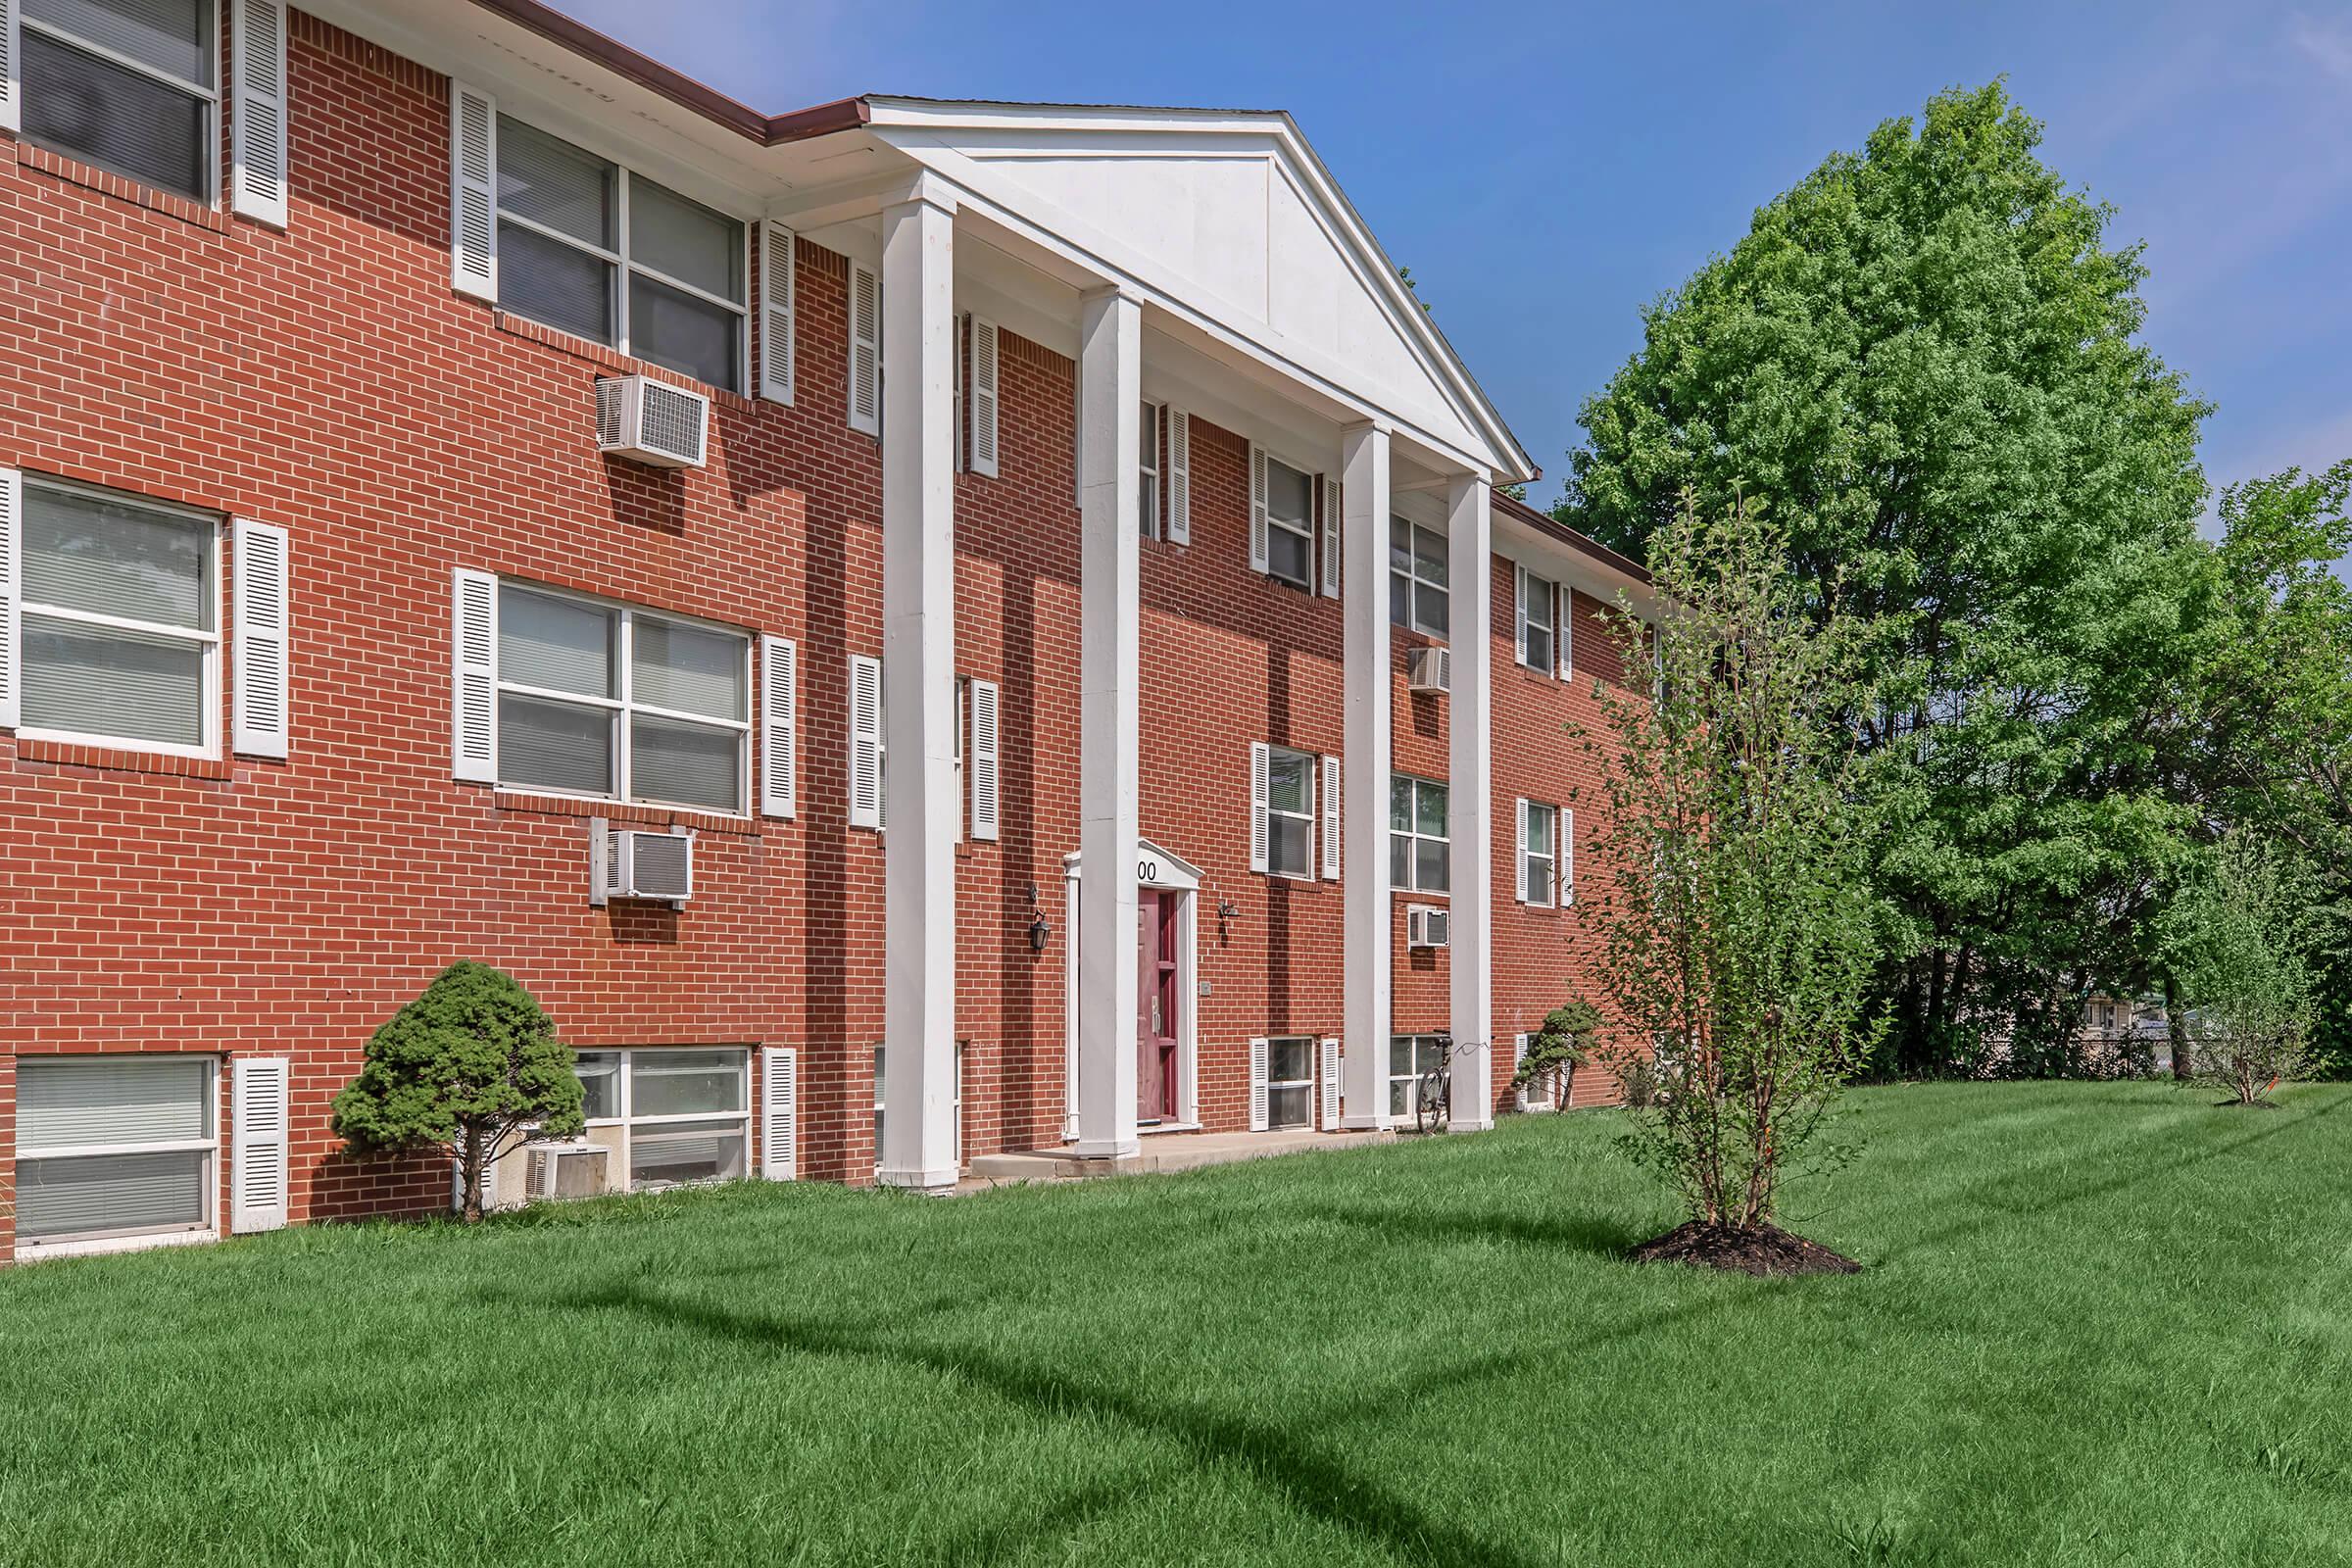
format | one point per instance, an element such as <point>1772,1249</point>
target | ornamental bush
<point>472,1068</point>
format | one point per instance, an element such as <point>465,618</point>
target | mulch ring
<point>1763,1250</point>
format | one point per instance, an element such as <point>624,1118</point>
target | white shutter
<point>473,670</point>
<point>264,669</point>
<point>865,741</point>
<point>12,565</point>
<point>1331,537</point>
<point>1331,819</point>
<point>985,747</point>
<point>1564,850</point>
<point>865,351</point>
<point>1260,551</point>
<point>257,110</point>
<point>779,1114</point>
<point>1330,1086</point>
<point>1518,1058</point>
<point>1257,1086</point>
<point>779,718</point>
<point>1521,856</point>
<point>258,1150</point>
<point>12,70</point>
<point>1564,597</point>
<point>776,311</point>
<point>1261,763</point>
<point>1180,478</point>
<point>985,383</point>
<point>473,193</point>
<point>1519,614</point>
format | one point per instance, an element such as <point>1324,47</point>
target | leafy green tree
<point>2237,937</point>
<point>1925,355</point>
<point>472,1066</point>
<point>1736,925</point>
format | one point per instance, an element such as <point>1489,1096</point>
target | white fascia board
<point>1060,232</point>
<point>1550,559</point>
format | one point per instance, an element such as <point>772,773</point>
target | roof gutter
<point>1545,524</point>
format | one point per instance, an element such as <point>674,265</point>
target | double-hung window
<point>1538,624</point>
<point>1147,509</point>
<point>607,700</point>
<point>1290,812</point>
<point>129,85</point>
<point>1409,1056</point>
<point>590,248</point>
<point>1290,524</point>
<point>1420,853</point>
<point>113,1146</point>
<point>1289,1081</point>
<point>1418,593</point>
<point>1540,854</point>
<point>119,620</point>
<point>670,1115</point>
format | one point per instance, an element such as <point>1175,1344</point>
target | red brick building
<point>1058,487</point>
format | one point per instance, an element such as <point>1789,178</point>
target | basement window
<point>671,1115</point>
<point>115,1147</point>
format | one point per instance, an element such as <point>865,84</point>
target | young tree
<point>1737,926</point>
<point>1928,352</point>
<point>1556,1050</point>
<point>472,1066</point>
<point>2238,936</point>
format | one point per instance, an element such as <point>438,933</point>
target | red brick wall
<point>329,380</point>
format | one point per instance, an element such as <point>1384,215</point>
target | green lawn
<point>2099,1324</point>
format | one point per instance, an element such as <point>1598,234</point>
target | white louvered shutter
<point>1521,855</point>
<point>1261,763</point>
<point>986,745</point>
<point>1331,819</point>
<point>1562,632</point>
<point>1260,556</point>
<point>779,721</point>
<point>776,284</point>
<point>865,351</point>
<point>986,376</point>
<point>1565,850</point>
<point>1331,537</point>
<point>1257,1086</point>
<point>256,111</point>
<point>1518,1059</point>
<point>1180,478</point>
<point>12,70</point>
<point>1519,614</point>
<point>474,671</point>
<point>11,569</point>
<point>257,1183</point>
<point>1330,1086</point>
<point>474,192</point>
<point>865,741</point>
<point>262,669</point>
<point>779,1114</point>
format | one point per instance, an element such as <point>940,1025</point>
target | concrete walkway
<point>1160,1152</point>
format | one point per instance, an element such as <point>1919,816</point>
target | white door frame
<point>1157,870</point>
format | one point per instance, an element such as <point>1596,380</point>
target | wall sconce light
<point>1040,933</point>
<point>1227,913</point>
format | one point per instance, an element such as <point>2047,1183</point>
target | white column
<point>1364,772</point>
<point>1109,707</point>
<point>1469,797</point>
<point>918,672</point>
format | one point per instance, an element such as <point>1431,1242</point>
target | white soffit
<point>1226,213</point>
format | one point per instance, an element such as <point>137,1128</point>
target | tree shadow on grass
<point>1286,1459</point>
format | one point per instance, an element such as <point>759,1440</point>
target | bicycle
<point>1433,1096</point>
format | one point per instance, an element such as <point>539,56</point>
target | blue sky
<point>1544,170</point>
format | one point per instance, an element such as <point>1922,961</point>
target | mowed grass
<point>2099,1324</point>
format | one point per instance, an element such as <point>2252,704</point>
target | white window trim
<point>27,22</point>
<point>1414,833</point>
<point>1390,1077</point>
<point>1415,581</point>
<point>626,266</point>
<point>86,1245</point>
<point>1545,895</point>
<point>619,1181</point>
<point>1304,529</point>
<point>1307,1083</point>
<point>626,705</point>
<point>1549,621</point>
<point>210,641</point>
<point>1313,765</point>
<point>1150,505</point>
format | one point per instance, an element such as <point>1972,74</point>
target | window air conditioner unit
<point>650,422</point>
<point>1430,670</point>
<point>1427,925</point>
<point>623,864</point>
<point>566,1171</point>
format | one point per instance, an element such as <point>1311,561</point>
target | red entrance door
<point>1155,1006</point>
